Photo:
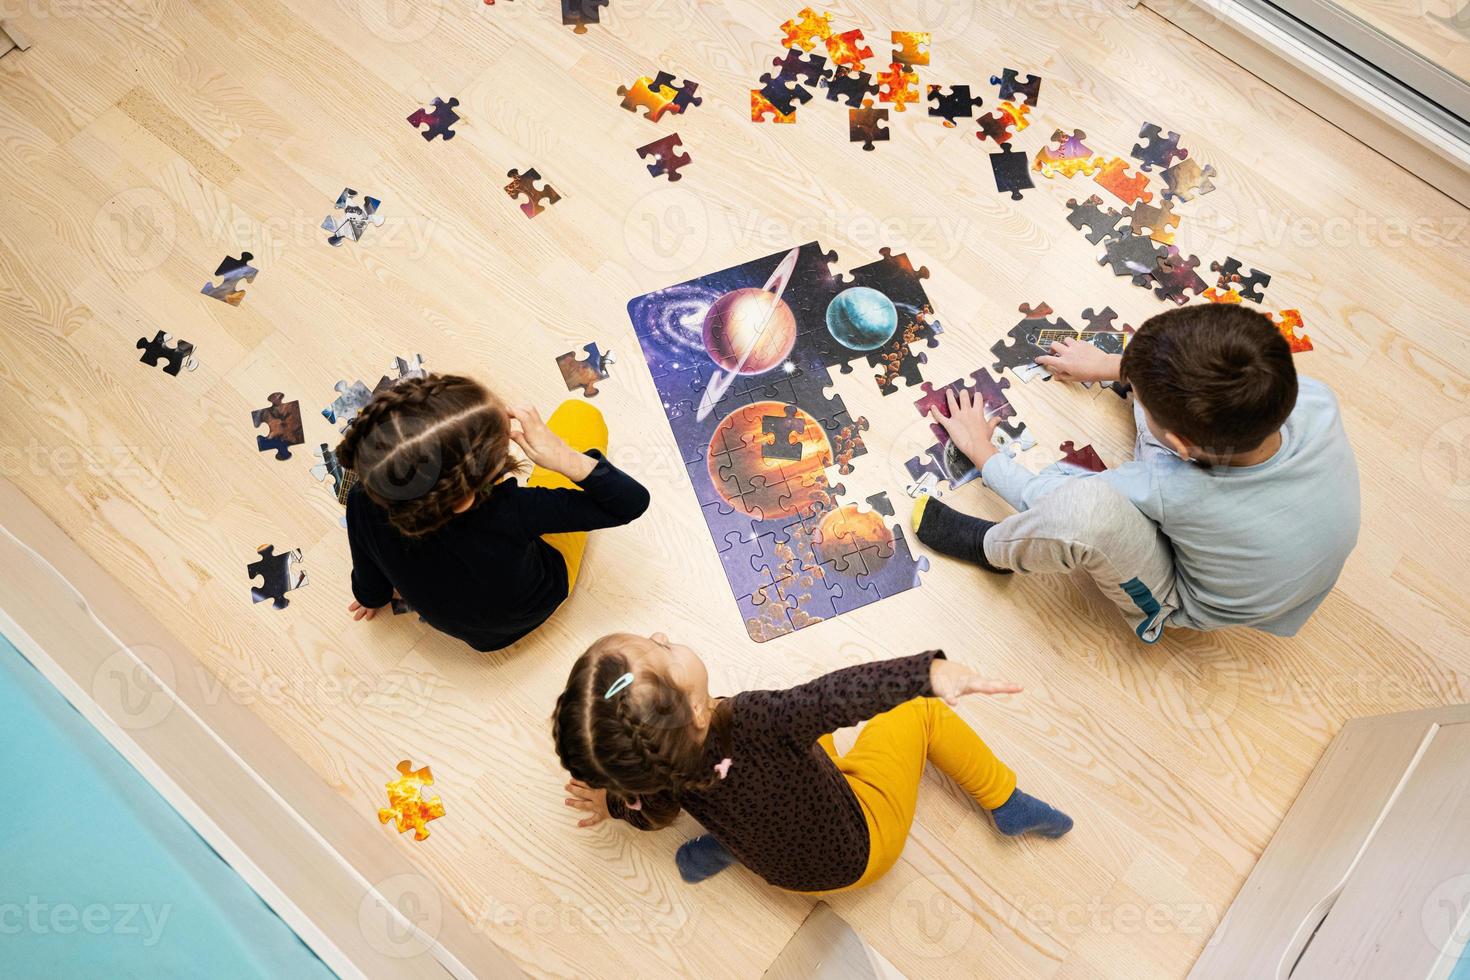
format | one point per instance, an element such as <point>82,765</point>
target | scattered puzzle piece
<point>1133,255</point>
<point>957,103</point>
<point>282,420</point>
<point>1112,175</point>
<point>1011,86</point>
<point>1005,121</point>
<point>1020,355</point>
<point>179,356</point>
<point>761,109</point>
<point>863,125</point>
<point>1187,180</point>
<point>1156,222</point>
<point>278,575</point>
<point>438,119</point>
<point>577,14</point>
<point>355,217</point>
<point>525,184</point>
<point>806,29</point>
<point>586,373</point>
<point>644,94</point>
<point>1175,276</point>
<point>232,272</point>
<point>1069,157</point>
<point>852,87</point>
<point>406,804</point>
<point>1084,458</point>
<point>847,50</point>
<point>1252,287</point>
<point>667,158</point>
<point>351,397</point>
<point>1289,323</point>
<point>897,85</point>
<point>910,48</point>
<point>1010,170</point>
<point>343,480</point>
<point>684,93</point>
<point>1161,150</point>
<point>1100,222</point>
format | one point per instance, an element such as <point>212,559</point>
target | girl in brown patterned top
<point>642,738</point>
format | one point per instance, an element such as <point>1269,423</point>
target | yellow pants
<point>886,763</point>
<point>583,428</point>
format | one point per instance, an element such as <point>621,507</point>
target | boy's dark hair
<point>1219,376</point>
<point>422,446</point>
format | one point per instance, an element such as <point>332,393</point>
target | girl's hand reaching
<point>1078,360</point>
<point>545,448</point>
<point>584,797</point>
<point>951,681</point>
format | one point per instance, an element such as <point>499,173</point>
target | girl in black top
<point>438,519</point>
<point>643,738</point>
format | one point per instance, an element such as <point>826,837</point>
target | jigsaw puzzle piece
<point>525,185</point>
<point>232,272</point>
<point>1175,276</point>
<point>351,397</point>
<point>1133,255</point>
<point>1085,458</point>
<point>852,87</point>
<point>957,103</point>
<point>1156,222</point>
<point>355,217</point>
<point>175,357</point>
<point>438,120</point>
<point>1011,86</point>
<point>1160,151</point>
<point>278,575</point>
<point>282,420</point>
<point>897,85</point>
<point>910,48</point>
<point>1068,157</point>
<point>1187,180</point>
<point>864,125</point>
<point>1005,121</point>
<point>586,373</point>
<point>667,158</point>
<point>1113,176</point>
<point>806,29</point>
<point>848,50</point>
<point>577,14</point>
<point>1099,221</point>
<point>1252,287</point>
<point>1011,174</point>
<point>1289,322</point>
<point>762,110</point>
<point>648,95</point>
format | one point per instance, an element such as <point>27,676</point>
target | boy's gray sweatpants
<point>1086,525</point>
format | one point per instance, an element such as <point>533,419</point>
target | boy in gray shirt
<point>1239,507</point>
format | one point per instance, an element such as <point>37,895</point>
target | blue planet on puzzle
<point>861,318</point>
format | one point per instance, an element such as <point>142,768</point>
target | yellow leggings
<point>583,428</point>
<point>886,763</point>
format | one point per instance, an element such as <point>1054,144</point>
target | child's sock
<point>951,533</point>
<point>701,858</point>
<point>1022,814</point>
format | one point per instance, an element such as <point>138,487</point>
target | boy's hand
<point>951,681</point>
<point>545,448</point>
<point>1077,360</point>
<point>968,428</point>
<point>584,797</point>
<point>359,611</point>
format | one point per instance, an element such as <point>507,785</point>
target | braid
<point>424,445</point>
<point>636,743</point>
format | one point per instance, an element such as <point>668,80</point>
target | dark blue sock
<point>1023,814</point>
<point>701,858</point>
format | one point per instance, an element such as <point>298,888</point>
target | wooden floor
<point>140,149</point>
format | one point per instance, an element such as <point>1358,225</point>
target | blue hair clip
<point>618,685</point>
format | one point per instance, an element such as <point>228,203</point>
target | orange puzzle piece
<point>806,29</point>
<point>407,805</point>
<point>898,86</point>
<point>1129,189</point>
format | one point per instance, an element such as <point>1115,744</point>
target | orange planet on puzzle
<point>768,486</point>
<point>848,529</point>
<point>753,321</point>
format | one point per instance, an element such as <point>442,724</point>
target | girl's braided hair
<point>421,447</point>
<point>638,742</point>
